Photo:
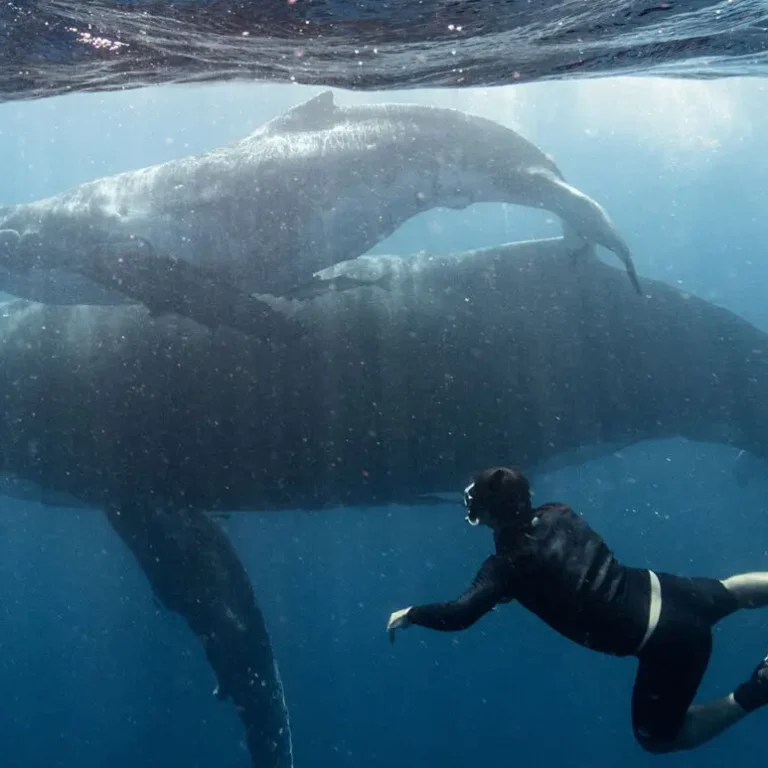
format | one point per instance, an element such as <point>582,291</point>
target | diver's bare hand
<point>398,620</point>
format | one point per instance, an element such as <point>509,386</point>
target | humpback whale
<point>509,354</point>
<point>317,185</point>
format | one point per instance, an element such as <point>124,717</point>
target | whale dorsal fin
<point>313,113</point>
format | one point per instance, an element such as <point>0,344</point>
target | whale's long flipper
<point>166,285</point>
<point>195,572</point>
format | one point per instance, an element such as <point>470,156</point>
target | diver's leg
<point>701,724</point>
<point>665,720</point>
<point>749,589</point>
<point>705,721</point>
<point>668,676</point>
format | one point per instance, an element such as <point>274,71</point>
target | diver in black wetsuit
<point>549,560</point>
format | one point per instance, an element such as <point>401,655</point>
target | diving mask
<point>471,517</point>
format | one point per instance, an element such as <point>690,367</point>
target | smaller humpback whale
<point>195,572</point>
<point>317,185</point>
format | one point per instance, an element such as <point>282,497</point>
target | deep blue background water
<point>93,672</point>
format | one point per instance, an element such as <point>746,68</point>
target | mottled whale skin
<point>515,354</point>
<point>315,186</point>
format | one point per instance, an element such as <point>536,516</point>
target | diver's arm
<point>486,590</point>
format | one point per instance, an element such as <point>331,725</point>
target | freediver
<point>550,561</point>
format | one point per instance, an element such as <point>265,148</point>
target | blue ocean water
<point>93,672</point>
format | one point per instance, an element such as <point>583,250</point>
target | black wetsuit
<point>555,565</point>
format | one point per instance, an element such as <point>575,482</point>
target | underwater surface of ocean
<point>61,46</point>
<point>94,672</point>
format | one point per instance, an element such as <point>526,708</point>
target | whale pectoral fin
<point>167,285</point>
<point>312,114</point>
<point>193,568</point>
<point>434,499</point>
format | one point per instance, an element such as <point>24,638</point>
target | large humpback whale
<point>317,185</point>
<point>511,354</point>
<point>516,353</point>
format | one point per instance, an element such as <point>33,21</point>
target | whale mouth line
<point>9,238</point>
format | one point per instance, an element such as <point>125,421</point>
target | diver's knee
<point>749,590</point>
<point>653,744</point>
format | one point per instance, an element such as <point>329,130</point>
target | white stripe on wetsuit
<point>654,610</point>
